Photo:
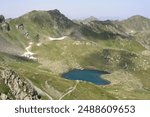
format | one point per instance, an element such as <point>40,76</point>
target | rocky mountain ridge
<point>18,88</point>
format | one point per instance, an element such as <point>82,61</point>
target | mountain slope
<point>137,23</point>
<point>138,26</point>
<point>60,45</point>
<point>107,29</point>
<point>51,23</point>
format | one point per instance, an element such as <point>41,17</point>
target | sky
<point>79,9</point>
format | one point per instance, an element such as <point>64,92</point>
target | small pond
<point>93,76</point>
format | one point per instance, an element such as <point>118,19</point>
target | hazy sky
<point>77,9</point>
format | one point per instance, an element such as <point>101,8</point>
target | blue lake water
<point>93,76</point>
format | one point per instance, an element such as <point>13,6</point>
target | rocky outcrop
<point>19,88</point>
<point>23,30</point>
<point>5,26</point>
<point>3,96</point>
<point>2,19</point>
<point>20,26</point>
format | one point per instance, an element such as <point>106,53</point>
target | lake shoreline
<point>87,75</point>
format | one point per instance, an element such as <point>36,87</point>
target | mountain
<point>48,22</point>
<point>92,18</point>
<point>137,23</point>
<point>107,29</point>
<point>38,47</point>
<point>87,20</point>
<point>138,26</point>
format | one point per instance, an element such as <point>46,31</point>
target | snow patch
<point>60,38</point>
<point>28,54</point>
<point>39,44</point>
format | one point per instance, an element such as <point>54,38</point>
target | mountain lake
<point>93,76</point>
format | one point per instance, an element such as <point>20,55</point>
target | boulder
<point>3,96</point>
<point>5,26</point>
<point>2,19</point>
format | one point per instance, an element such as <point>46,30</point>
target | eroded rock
<point>20,89</point>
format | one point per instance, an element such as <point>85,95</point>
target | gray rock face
<point>23,30</point>
<point>5,26</point>
<point>20,89</point>
<point>2,19</point>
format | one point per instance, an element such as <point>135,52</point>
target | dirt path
<point>70,91</point>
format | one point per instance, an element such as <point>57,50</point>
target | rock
<point>5,26</point>
<point>20,26</point>
<point>2,19</point>
<point>3,96</point>
<point>19,88</point>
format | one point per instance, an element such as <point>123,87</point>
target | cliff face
<point>17,87</point>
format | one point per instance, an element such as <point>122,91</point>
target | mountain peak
<point>137,22</point>
<point>136,17</point>
<point>91,18</point>
<point>55,11</point>
<point>57,15</point>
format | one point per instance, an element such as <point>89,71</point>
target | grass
<point>3,88</point>
<point>29,70</point>
<point>86,56</point>
<point>86,91</point>
<point>143,75</point>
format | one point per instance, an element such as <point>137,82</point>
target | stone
<point>2,19</point>
<point>19,88</point>
<point>3,96</point>
<point>5,26</point>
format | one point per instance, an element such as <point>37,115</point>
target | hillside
<point>40,46</point>
<point>137,23</point>
<point>138,26</point>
